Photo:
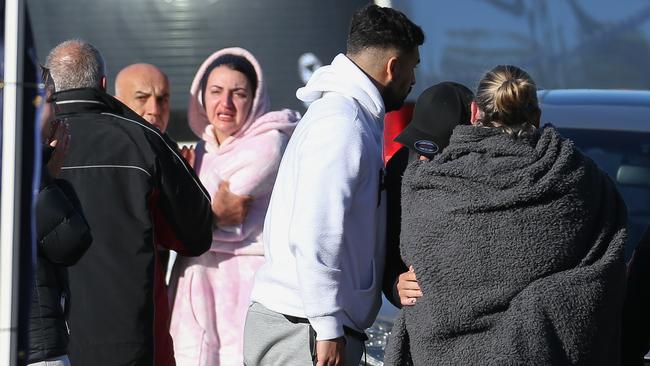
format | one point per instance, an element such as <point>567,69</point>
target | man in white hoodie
<point>324,233</point>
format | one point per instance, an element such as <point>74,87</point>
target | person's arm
<point>394,265</point>
<point>183,201</point>
<point>252,179</point>
<point>230,209</point>
<point>328,169</point>
<point>395,269</point>
<point>62,231</point>
<point>63,234</point>
<point>400,284</point>
<point>330,352</point>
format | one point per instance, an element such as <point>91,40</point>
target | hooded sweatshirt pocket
<point>361,304</point>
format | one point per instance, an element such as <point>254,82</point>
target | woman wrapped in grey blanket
<point>516,239</point>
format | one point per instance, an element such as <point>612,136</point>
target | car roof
<point>617,110</point>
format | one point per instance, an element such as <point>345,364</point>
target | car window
<point>617,152</point>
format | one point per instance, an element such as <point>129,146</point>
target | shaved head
<point>145,89</point>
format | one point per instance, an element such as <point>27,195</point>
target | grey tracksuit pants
<point>272,339</point>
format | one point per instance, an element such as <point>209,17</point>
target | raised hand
<point>60,141</point>
<point>189,154</point>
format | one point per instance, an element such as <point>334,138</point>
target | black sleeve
<point>62,231</point>
<point>184,202</point>
<point>636,317</point>
<point>46,178</point>
<point>394,264</point>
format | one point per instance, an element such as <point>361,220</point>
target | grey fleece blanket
<point>518,248</point>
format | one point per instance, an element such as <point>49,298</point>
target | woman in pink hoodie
<point>240,150</point>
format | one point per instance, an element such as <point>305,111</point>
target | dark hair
<point>507,96</point>
<point>233,62</point>
<point>374,26</point>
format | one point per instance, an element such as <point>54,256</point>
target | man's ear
<point>475,113</point>
<point>103,83</point>
<point>392,67</point>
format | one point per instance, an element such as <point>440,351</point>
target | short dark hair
<point>233,62</point>
<point>375,26</point>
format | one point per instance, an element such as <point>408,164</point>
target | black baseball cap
<point>437,112</point>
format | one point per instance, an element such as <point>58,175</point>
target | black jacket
<point>394,265</point>
<point>134,187</point>
<point>63,237</point>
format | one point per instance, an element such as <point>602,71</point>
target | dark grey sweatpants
<point>271,339</point>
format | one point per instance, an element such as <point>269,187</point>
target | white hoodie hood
<point>346,78</point>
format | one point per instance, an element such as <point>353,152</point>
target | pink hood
<point>198,120</point>
<point>248,159</point>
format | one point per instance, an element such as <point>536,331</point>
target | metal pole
<point>10,180</point>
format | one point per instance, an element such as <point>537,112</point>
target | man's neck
<point>367,63</point>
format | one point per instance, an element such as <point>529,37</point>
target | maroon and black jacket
<point>129,178</point>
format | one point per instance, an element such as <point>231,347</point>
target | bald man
<point>145,89</point>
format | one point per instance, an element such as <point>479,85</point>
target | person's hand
<point>230,209</point>
<point>330,352</point>
<point>60,141</point>
<point>408,288</point>
<point>189,154</point>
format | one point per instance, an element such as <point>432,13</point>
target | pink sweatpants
<point>212,295</point>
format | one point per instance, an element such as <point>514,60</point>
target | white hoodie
<point>324,229</point>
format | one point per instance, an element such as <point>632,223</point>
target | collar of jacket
<point>87,100</point>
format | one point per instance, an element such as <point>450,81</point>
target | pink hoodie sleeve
<point>254,176</point>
